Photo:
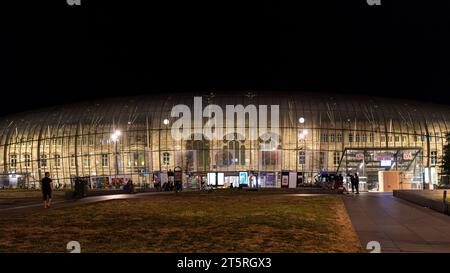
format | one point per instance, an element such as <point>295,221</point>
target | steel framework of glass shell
<point>342,131</point>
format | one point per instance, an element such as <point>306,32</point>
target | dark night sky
<point>52,53</point>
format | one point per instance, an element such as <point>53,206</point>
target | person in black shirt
<point>356,177</point>
<point>46,185</point>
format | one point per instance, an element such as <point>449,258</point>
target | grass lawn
<point>221,221</point>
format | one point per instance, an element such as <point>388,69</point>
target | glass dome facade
<point>130,137</point>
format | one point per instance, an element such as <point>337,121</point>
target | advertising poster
<point>292,179</point>
<point>285,179</point>
<point>243,178</point>
<point>211,179</point>
<point>270,180</point>
<point>118,180</point>
<point>299,179</point>
<point>99,182</point>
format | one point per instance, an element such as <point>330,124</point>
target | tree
<point>445,167</point>
<point>446,156</point>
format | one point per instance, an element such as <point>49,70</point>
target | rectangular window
<point>57,160</point>
<point>301,157</point>
<point>13,160</point>
<point>324,138</point>
<point>433,158</point>
<point>322,156</point>
<point>383,138</point>
<point>336,158</point>
<point>43,160</point>
<point>27,160</point>
<point>404,139</point>
<point>86,160</point>
<point>105,160</point>
<point>166,158</point>
<point>72,160</point>
<point>358,137</point>
<point>339,137</point>
<point>371,137</point>
<point>332,138</point>
<point>133,159</point>
<point>350,137</point>
<point>85,140</point>
<point>397,138</point>
<point>269,158</point>
<point>364,138</point>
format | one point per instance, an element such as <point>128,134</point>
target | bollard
<point>444,202</point>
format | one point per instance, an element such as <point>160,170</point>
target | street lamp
<point>165,122</point>
<point>301,138</point>
<point>115,138</point>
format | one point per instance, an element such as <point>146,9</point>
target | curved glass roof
<point>323,108</point>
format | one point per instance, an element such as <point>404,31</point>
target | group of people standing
<point>338,182</point>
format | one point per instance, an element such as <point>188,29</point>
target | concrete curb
<point>422,198</point>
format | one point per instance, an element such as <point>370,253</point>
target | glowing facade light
<point>115,135</point>
<point>301,120</point>
<point>305,132</point>
<point>302,136</point>
<point>166,121</point>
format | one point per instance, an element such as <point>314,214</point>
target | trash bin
<point>80,187</point>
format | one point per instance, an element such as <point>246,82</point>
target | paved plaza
<point>399,226</point>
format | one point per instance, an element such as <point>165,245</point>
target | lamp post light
<point>301,137</point>
<point>166,122</point>
<point>115,138</point>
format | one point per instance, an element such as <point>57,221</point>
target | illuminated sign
<point>243,178</point>
<point>407,156</point>
<point>385,163</point>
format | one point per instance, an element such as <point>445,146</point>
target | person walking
<point>356,183</point>
<point>46,186</point>
<point>352,182</point>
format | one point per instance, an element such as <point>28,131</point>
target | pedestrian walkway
<point>399,226</point>
<point>59,203</point>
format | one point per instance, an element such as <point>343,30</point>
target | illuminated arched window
<point>237,150</point>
